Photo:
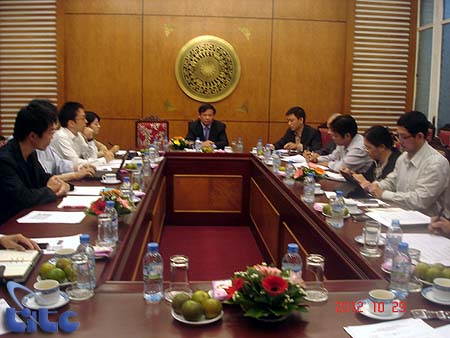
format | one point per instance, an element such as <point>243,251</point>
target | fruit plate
<point>65,283</point>
<point>180,318</point>
<point>326,215</point>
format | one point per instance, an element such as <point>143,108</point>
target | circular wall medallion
<point>207,68</point>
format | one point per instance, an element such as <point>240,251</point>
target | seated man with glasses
<point>70,142</point>
<point>421,174</point>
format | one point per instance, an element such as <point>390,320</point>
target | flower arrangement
<point>122,204</point>
<point>302,172</point>
<point>265,292</point>
<point>179,143</point>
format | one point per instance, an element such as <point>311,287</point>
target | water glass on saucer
<point>414,285</point>
<point>179,281</point>
<point>315,290</point>
<point>371,236</point>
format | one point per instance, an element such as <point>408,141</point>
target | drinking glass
<point>315,291</point>
<point>179,281</point>
<point>81,288</point>
<point>371,236</point>
<point>414,285</point>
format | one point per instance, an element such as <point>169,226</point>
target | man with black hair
<point>69,141</point>
<point>350,151</point>
<point>23,181</point>
<point>420,180</point>
<point>209,130</point>
<point>299,135</point>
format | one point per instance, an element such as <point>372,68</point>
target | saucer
<point>62,284</point>
<point>29,301</point>
<point>428,294</point>
<point>326,215</point>
<point>365,311</point>
<point>360,240</point>
<point>180,318</point>
<point>111,182</point>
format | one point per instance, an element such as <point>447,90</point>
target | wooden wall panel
<point>103,65</point>
<point>116,131</point>
<point>207,193</point>
<point>329,10</point>
<point>230,8</point>
<point>266,219</point>
<point>165,36</point>
<point>308,68</point>
<point>103,6</point>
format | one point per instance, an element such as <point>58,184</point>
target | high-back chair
<point>150,129</point>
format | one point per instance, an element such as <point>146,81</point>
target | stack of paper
<point>86,191</point>
<point>52,217</point>
<point>335,176</point>
<point>77,201</point>
<point>55,243</point>
<point>406,217</point>
<point>433,248</point>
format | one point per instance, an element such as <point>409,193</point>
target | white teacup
<point>441,289</point>
<point>64,253</point>
<point>109,177</point>
<point>378,297</point>
<point>228,149</point>
<point>47,292</point>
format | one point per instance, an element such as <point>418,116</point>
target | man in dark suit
<point>23,181</point>
<point>210,131</point>
<point>299,136</point>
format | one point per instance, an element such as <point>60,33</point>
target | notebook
<point>18,264</point>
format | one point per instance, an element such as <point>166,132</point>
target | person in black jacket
<point>23,181</point>
<point>380,146</point>
<point>210,131</point>
<point>299,136</point>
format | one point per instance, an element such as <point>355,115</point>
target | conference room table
<point>118,308</point>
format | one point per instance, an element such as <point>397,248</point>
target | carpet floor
<point>214,252</point>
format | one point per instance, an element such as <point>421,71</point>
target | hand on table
<point>18,242</point>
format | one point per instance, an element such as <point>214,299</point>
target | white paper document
<point>433,248</point>
<point>103,168</point>
<point>406,217</point>
<point>335,176</point>
<point>86,191</point>
<point>77,201</point>
<point>3,306</point>
<point>114,164</point>
<point>403,328</point>
<point>52,217</point>
<point>296,159</point>
<point>55,243</point>
<point>444,331</point>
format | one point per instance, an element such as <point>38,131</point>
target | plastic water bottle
<point>112,213</point>
<point>276,162</point>
<point>239,145</point>
<point>292,261</point>
<point>290,171</point>
<point>86,249</point>
<point>165,144</point>
<point>401,271</point>
<point>125,188</point>
<point>394,236</point>
<point>138,176</point>
<point>259,147</point>
<point>152,154</point>
<point>309,189</point>
<point>153,274</point>
<point>337,210</point>
<point>198,145</point>
<point>267,153</point>
<point>146,168</point>
<point>156,146</point>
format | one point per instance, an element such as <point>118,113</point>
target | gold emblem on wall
<point>207,68</point>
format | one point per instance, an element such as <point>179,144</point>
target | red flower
<point>230,292</point>
<point>238,283</point>
<point>99,206</point>
<point>298,173</point>
<point>274,285</point>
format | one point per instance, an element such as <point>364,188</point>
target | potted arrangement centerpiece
<point>303,172</point>
<point>178,143</point>
<point>266,293</point>
<point>123,205</point>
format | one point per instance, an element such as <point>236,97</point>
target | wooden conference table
<point>219,189</point>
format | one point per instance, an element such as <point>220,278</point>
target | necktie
<point>206,133</point>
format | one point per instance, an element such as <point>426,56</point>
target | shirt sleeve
<point>428,187</point>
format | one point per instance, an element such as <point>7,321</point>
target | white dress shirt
<point>419,183</point>
<point>52,162</point>
<point>75,148</point>
<point>354,156</point>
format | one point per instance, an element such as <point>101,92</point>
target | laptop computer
<point>351,187</point>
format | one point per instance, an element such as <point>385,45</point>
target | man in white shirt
<point>420,180</point>
<point>69,141</point>
<point>350,151</point>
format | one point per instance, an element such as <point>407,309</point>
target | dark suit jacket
<point>217,133</point>
<point>22,184</point>
<point>310,139</point>
<point>388,168</point>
